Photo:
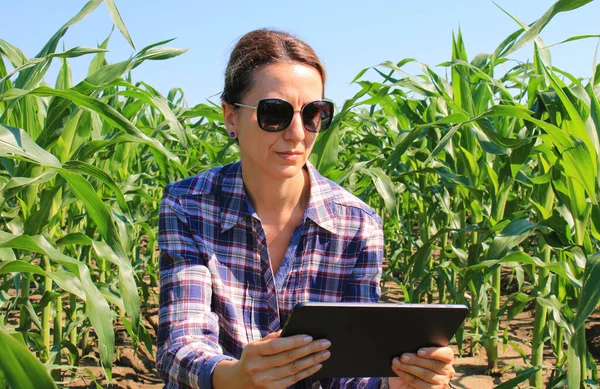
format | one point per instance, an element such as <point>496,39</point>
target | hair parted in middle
<point>264,47</point>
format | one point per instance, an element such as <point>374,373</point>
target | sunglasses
<point>275,115</point>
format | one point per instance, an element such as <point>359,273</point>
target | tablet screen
<point>366,337</point>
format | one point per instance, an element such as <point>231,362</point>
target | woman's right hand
<point>273,363</point>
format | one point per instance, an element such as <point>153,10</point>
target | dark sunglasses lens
<point>274,114</point>
<point>317,115</point>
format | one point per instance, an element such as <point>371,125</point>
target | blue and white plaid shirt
<point>217,288</point>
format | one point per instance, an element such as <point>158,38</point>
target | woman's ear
<point>229,118</point>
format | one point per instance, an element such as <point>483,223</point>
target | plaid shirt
<point>217,288</point>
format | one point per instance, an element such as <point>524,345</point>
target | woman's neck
<point>276,200</point>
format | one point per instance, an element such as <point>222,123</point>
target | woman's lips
<point>290,156</point>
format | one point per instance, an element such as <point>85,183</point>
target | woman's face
<point>282,154</point>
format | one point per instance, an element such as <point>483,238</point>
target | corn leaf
<point>590,295</point>
<point>97,308</point>
<point>115,15</point>
<point>15,143</point>
<point>19,367</point>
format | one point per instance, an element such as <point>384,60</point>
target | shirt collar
<point>234,203</point>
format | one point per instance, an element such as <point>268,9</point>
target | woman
<point>243,243</point>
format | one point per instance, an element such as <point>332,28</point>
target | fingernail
<point>396,362</point>
<point>325,354</point>
<point>318,367</point>
<point>307,339</point>
<point>422,352</point>
<point>406,358</point>
<point>325,343</point>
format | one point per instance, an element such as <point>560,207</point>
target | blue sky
<point>347,35</point>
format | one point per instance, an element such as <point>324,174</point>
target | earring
<point>232,134</point>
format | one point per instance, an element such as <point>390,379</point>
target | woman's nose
<point>295,130</point>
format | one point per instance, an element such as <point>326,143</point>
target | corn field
<point>486,171</point>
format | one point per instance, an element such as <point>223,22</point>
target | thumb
<point>273,335</point>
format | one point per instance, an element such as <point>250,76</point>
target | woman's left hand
<point>430,368</point>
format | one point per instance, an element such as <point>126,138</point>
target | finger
<point>442,354</point>
<point>272,335</point>
<point>418,376</point>
<point>412,382</point>
<point>429,364</point>
<point>289,356</point>
<point>292,368</point>
<point>292,379</point>
<point>279,345</point>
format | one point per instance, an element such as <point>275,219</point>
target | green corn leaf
<point>97,308</point>
<point>118,21</point>
<point>560,139</point>
<point>324,155</point>
<point>442,143</point>
<point>89,149</point>
<point>578,163</point>
<point>512,235</point>
<point>158,54</point>
<point>102,216</point>
<point>91,170</point>
<point>107,112</point>
<point>31,77</point>
<point>15,143</point>
<point>522,376</point>
<point>460,76</point>
<point>488,129</point>
<point>65,280</point>
<point>97,210</point>
<point>574,355</point>
<point>63,80</point>
<point>506,44</point>
<point>155,99</point>
<point>578,127</point>
<point>127,284</point>
<point>205,111</point>
<point>77,51</point>
<point>19,367</point>
<point>405,143</point>
<point>99,60</point>
<point>384,187</point>
<point>536,28</point>
<point>559,268</point>
<point>575,38</point>
<point>75,238</point>
<point>16,184</point>
<point>19,69</point>
<point>590,295</point>
<point>14,55</point>
<point>59,108</point>
<point>39,219</point>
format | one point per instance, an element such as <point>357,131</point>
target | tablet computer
<point>365,337</point>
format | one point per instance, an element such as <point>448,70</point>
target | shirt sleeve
<point>188,332</point>
<point>363,287</point>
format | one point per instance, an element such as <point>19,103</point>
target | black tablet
<point>366,337</point>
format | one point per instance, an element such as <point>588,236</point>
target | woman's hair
<point>264,47</point>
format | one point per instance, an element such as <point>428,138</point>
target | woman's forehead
<point>287,78</point>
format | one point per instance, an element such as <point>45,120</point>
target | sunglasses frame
<point>294,111</point>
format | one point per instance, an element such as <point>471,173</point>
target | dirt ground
<point>136,369</point>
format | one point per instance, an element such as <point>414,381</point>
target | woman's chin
<point>287,171</point>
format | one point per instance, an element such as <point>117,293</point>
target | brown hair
<point>264,47</point>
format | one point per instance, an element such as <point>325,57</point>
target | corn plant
<point>83,168</point>
<point>480,172</point>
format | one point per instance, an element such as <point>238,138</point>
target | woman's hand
<point>273,363</point>
<point>430,368</point>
